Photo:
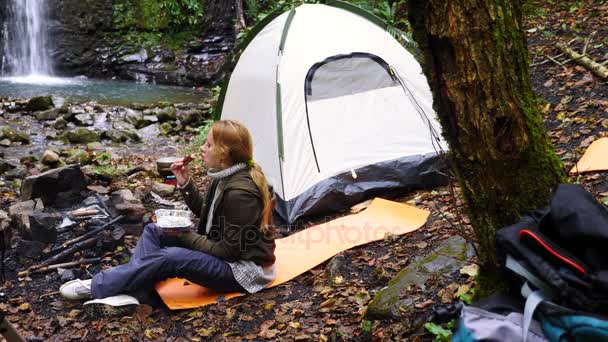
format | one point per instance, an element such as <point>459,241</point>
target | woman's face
<point>210,154</point>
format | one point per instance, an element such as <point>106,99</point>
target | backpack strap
<point>533,298</point>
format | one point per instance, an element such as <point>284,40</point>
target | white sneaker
<point>76,289</point>
<point>119,305</point>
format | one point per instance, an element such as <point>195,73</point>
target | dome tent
<point>339,111</point>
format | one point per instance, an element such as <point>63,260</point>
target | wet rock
<point>392,301</point>
<point>50,114</point>
<point>119,135</point>
<point>49,158</point>
<point>29,249</point>
<point>51,184</point>
<point>165,128</point>
<point>95,146</point>
<point>60,123</point>
<point>82,136</point>
<point>39,103</point>
<point>149,119</point>
<point>151,131</point>
<point>77,156</point>
<point>6,165</point>
<point>133,117</point>
<point>190,117</point>
<point>20,214</point>
<point>16,174</point>
<point>166,114</point>
<point>162,189</point>
<point>43,226</point>
<point>84,119</point>
<point>5,143</point>
<point>7,133</point>
<point>138,57</point>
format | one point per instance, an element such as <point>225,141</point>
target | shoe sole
<point>100,310</point>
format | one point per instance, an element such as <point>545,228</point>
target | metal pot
<point>163,165</point>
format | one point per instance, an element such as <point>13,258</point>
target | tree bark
<point>476,61</point>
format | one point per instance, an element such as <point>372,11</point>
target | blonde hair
<point>233,141</point>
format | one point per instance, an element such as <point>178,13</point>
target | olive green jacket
<point>235,231</point>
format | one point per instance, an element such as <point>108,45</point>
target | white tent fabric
<point>328,136</point>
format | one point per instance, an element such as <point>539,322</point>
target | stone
<point>166,114</point>
<point>60,123</point>
<point>67,199</point>
<point>189,117</point>
<point>5,220</point>
<point>20,214</point>
<point>50,114</point>
<point>84,119</point>
<point>82,136</point>
<point>392,301</point>
<point>132,212</point>
<point>6,165</point>
<point>22,137</point>
<point>133,117</point>
<point>43,226</point>
<point>49,158</point>
<point>122,196</point>
<point>95,146</point>
<point>30,249</point>
<point>149,132</point>
<point>165,128</point>
<point>39,103</point>
<point>162,189</point>
<point>49,184</point>
<point>77,156</point>
<point>16,174</point>
<point>335,269</point>
<point>66,275</point>
<point>139,57</point>
<point>5,142</point>
<point>118,136</point>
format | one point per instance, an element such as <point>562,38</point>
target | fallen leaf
<point>331,321</point>
<point>24,307</point>
<point>328,302</point>
<point>269,305</point>
<point>143,311</point>
<point>74,313</point>
<point>295,325</point>
<point>424,304</point>
<point>206,332</point>
<point>283,318</point>
<point>471,270</point>
<point>338,280</point>
<point>422,245</point>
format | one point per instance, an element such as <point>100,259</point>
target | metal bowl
<point>163,165</point>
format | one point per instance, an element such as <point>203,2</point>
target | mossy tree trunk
<point>476,61</point>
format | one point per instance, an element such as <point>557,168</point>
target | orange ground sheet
<point>306,249</point>
<point>594,159</point>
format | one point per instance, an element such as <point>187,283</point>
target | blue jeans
<point>153,261</point>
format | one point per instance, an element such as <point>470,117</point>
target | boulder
<point>84,119</point>
<point>162,189</point>
<point>165,128</point>
<point>43,226</point>
<point>82,136</point>
<point>60,123</point>
<point>77,156</point>
<point>119,135</point>
<point>50,114</point>
<point>49,158</point>
<point>122,196</point>
<point>39,103</point>
<point>166,114</point>
<point>6,165</point>
<point>50,184</point>
<point>20,214</point>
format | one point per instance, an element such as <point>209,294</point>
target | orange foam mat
<point>304,250</point>
<point>594,159</point>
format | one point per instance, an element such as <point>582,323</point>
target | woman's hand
<point>181,172</point>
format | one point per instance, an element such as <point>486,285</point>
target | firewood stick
<point>78,213</point>
<point>75,248</point>
<point>62,265</point>
<point>89,234</point>
<point>596,68</point>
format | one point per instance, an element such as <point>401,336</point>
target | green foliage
<point>366,326</point>
<point>157,15</point>
<point>441,333</point>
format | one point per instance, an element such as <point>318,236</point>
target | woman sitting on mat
<point>233,250</point>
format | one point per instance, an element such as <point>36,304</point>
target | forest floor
<point>312,307</point>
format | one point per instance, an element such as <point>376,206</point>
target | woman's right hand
<point>181,172</point>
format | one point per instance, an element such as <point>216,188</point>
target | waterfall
<point>25,43</point>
